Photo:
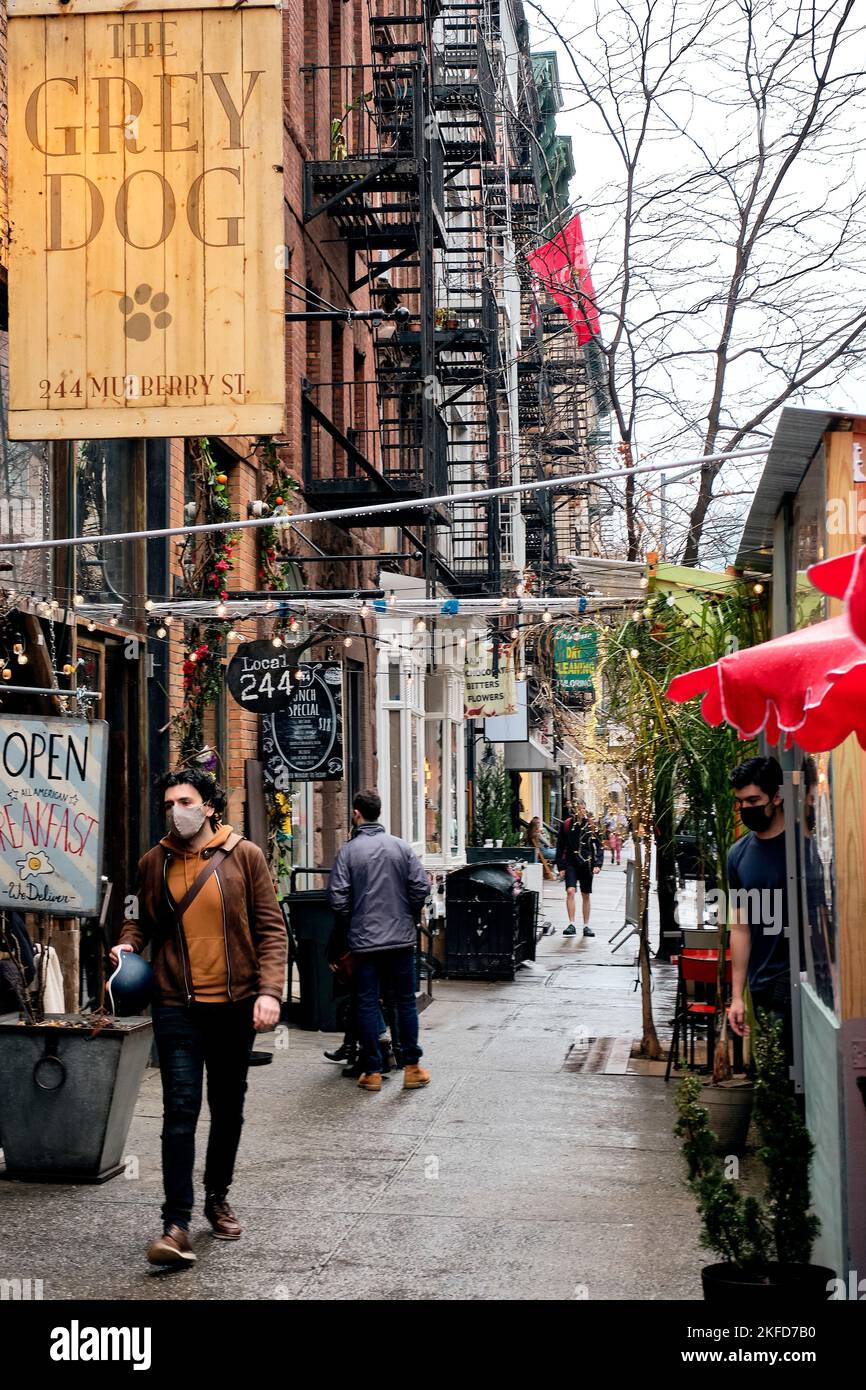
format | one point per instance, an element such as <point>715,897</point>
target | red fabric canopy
<point>808,687</point>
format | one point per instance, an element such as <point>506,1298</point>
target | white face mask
<point>186,821</point>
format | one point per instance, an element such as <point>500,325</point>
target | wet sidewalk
<point>535,1166</point>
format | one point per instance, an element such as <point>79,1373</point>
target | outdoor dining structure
<point>803,695</point>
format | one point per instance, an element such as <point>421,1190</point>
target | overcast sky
<point>595,159</point>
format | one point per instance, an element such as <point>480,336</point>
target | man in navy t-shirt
<point>757,883</point>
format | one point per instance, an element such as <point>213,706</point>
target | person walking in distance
<point>207,905</point>
<point>579,856</point>
<point>379,884</point>
<point>757,882</point>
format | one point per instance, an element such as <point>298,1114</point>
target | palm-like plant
<point>674,749</point>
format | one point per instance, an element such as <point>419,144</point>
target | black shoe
<point>342,1054</point>
<point>571,930</point>
<point>588,931</point>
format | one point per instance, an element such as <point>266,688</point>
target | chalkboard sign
<point>304,741</point>
<point>262,677</point>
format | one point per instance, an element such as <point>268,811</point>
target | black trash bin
<point>323,1000</point>
<point>490,922</point>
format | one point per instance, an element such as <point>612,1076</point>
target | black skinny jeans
<point>189,1040</point>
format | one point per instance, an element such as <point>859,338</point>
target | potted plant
<point>764,1241</point>
<point>494,802</point>
<point>68,1084</point>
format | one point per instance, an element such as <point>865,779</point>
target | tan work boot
<point>371,1081</point>
<point>415,1077</point>
<point>224,1223</point>
<point>172,1248</point>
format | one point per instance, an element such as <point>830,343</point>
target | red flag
<point>562,267</point>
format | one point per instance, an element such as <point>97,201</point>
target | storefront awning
<point>808,687</point>
<point>530,756</point>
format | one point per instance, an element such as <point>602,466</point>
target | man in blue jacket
<point>380,885</point>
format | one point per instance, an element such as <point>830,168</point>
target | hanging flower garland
<point>203,675</point>
<point>278,488</point>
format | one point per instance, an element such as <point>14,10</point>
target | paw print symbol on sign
<point>151,314</point>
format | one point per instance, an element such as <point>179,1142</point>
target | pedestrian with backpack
<point>579,856</point>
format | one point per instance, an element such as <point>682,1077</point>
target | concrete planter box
<point>67,1096</point>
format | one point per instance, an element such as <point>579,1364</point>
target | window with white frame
<point>400,716</point>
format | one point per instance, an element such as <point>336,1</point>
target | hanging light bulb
<point>515,633</point>
<point>69,669</point>
<point>293,624</point>
<point>392,599</point>
<point>634,653</point>
<point>18,648</point>
<point>420,626</point>
<point>91,625</point>
<point>161,632</point>
<point>113,620</point>
<point>637,615</point>
<point>168,620</point>
<point>520,590</point>
<point>503,602</point>
<point>220,610</point>
<point>78,599</point>
<point>758,589</point>
<point>347,641</point>
<point>276,641</point>
<point>7,674</point>
<point>365,610</point>
<point>148,603</point>
<point>22,659</point>
<point>546,616</point>
<point>644,581</point>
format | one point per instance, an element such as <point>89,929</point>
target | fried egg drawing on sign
<point>34,864</point>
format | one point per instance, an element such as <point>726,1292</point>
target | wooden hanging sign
<point>146,293</point>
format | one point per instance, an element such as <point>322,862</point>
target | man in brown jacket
<point>207,905</point>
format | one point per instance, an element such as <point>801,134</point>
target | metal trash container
<point>490,922</point>
<point>322,1003</point>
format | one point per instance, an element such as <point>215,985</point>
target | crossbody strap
<point>202,877</point>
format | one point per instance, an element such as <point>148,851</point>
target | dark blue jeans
<point>378,972</point>
<point>189,1040</point>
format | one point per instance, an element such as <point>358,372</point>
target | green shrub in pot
<point>764,1242</point>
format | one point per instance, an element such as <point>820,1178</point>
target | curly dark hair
<point>207,786</point>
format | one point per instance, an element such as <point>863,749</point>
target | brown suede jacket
<point>256,938</point>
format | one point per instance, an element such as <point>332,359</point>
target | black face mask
<point>756,818</point>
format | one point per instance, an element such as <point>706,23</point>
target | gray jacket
<point>379,882</point>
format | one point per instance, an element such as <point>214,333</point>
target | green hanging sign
<point>575,657</point>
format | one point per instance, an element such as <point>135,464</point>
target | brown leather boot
<point>224,1223</point>
<point>371,1081</point>
<point>415,1077</point>
<point>172,1248</point>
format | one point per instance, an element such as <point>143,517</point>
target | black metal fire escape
<point>377,175</point>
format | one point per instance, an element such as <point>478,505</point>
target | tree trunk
<point>650,1046</point>
<point>666,866</point>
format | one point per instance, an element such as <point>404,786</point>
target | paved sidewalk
<point>528,1169</point>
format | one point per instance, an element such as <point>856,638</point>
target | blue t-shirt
<point>758,884</point>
